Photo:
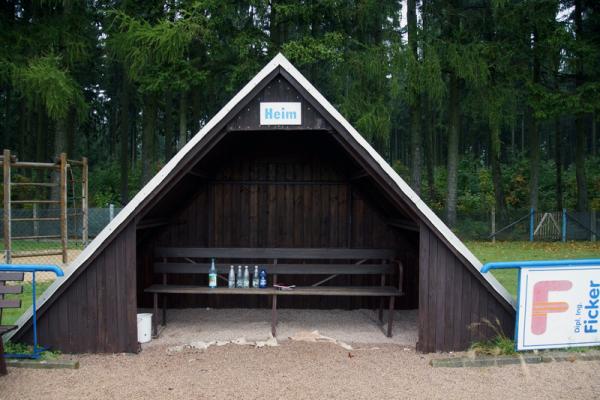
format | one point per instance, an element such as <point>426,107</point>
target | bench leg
<point>390,317</point>
<point>381,301</point>
<point>3,370</point>
<point>164,310</point>
<point>155,316</point>
<point>274,317</point>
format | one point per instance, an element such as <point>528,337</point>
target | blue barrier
<point>33,268</point>
<point>535,264</point>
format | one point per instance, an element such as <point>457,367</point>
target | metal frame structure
<point>33,268</point>
<point>62,165</point>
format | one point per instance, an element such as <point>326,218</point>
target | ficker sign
<point>558,307</point>
<point>281,113</point>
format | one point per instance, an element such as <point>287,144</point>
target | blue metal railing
<point>33,268</point>
<point>537,264</point>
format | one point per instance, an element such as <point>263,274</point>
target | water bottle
<point>212,275</point>
<point>238,280</point>
<point>246,277</point>
<point>231,280</point>
<point>255,277</point>
<point>262,279</point>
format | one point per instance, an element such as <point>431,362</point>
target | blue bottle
<point>262,279</point>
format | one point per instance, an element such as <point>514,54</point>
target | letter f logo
<point>542,307</point>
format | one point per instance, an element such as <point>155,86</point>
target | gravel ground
<point>357,326</point>
<point>296,370</point>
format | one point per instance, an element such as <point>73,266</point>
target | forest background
<point>476,103</point>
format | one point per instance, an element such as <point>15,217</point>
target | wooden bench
<point>280,261</point>
<point>5,303</point>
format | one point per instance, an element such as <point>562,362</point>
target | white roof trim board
<point>278,61</point>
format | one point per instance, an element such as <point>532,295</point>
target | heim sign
<point>281,113</point>
<point>558,307</point>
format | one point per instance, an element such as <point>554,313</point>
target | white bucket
<point>144,327</point>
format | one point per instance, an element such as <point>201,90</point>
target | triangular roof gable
<point>278,65</point>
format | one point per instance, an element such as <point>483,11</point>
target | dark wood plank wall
<point>280,191</point>
<point>97,312</point>
<point>453,303</point>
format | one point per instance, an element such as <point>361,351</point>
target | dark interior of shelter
<point>278,189</point>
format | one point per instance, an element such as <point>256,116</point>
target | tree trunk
<point>558,164</point>
<point>594,135</point>
<point>534,134</point>
<point>580,141</point>
<point>495,147</point>
<point>71,129</point>
<point>196,110</point>
<point>148,135</point>
<point>169,127</point>
<point>428,152</point>
<point>124,127</point>
<point>182,121</point>
<point>453,127</point>
<point>415,111</point>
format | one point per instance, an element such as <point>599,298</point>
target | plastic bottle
<point>255,277</point>
<point>238,280</point>
<point>231,278</point>
<point>262,279</point>
<point>246,277</point>
<point>212,275</point>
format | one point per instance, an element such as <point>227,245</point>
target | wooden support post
<point>3,370</point>
<point>63,206</point>
<point>390,317</point>
<point>381,301</point>
<point>7,213</point>
<point>274,317</point>
<point>164,304</point>
<point>84,202</point>
<point>274,307</point>
<point>155,316</point>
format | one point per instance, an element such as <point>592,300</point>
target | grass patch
<point>500,345</point>
<point>34,245</point>
<point>20,348</point>
<point>517,251</point>
<point>10,315</point>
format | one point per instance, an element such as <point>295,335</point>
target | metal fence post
<point>84,202</point>
<point>63,206</point>
<point>531,223</point>
<point>493,224</point>
<point>564,225</point>
<point>111,212</point>
<point>7,213</point>
<point>593,225</point>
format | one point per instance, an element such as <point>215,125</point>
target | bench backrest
<point>10,289</point>
<point>285,261</point>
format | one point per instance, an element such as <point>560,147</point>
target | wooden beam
<point>404,224</point>
<point>198,174</point>
<point>153,223</point>
<point>360,175</point>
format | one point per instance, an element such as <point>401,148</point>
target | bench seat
<point>372,291</point>
<point>288,262</point>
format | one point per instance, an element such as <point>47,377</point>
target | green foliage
<point>44,82</point>
<point>500,345</point>
<point>21,348</point>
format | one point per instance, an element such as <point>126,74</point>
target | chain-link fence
<point>520,225</point>
<point>36,235</point>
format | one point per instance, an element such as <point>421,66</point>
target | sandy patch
<point>356,326</point>
<point>296,370</point>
